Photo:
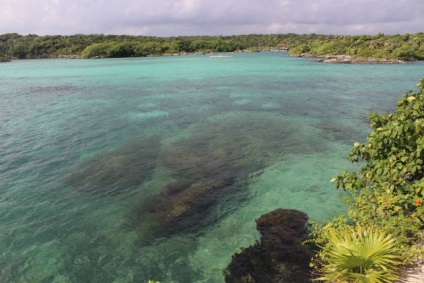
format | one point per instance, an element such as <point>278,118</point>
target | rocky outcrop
<point>347,59</point>
<point>279,256</point>
<point>70,56</point>
<point>50,56</point>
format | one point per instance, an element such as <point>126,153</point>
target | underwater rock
<point>182,206</point>
<point>211,163</point>
<point>118,170</point>
<point>279,256</point>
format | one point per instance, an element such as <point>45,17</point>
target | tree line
<point>12,45</point>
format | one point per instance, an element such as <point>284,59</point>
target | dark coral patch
<point>181,207</point>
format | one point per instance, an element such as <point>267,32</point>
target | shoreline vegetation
<point>372,49</point>
<point>381,239</point>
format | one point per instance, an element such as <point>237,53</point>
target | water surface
<point>125,170</point>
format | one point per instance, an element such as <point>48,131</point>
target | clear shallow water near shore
<point>124,170</point>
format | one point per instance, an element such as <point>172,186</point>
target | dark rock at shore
<point>279,256</point>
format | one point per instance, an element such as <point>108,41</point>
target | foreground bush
<point>389,188</point>
<point>386,195</point>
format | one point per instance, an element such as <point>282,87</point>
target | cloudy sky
<point>207,17</point>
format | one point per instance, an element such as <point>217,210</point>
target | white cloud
<point>198,17</point>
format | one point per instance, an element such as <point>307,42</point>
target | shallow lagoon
<point>124,170</point>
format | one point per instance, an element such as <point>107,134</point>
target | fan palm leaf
<point>359,254</point>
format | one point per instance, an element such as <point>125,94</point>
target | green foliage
<point>391,182</point>
<point>389,188</point>
<point>386,195</point>
<point>301,48</point>
<point>409,46</point>
<point>126,49</point>
<point>4,58</point>
<point>97,50</point>
<point>329,47</point>
<point>358,253</point>
<point>406,47</point>
<point>18,51</point>
<point>405,52</point>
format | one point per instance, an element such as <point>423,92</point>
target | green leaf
<point>410,98</point>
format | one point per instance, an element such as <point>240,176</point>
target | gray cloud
<point>205,17</point>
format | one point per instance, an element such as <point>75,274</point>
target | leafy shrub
<point>394,153</point>
<point>390,186</point>
<point>386,195</point>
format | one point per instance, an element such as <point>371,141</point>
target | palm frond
<point>359,254</point>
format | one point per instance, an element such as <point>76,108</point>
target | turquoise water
<point>125,170</point>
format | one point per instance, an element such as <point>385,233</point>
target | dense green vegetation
<point>407,46</point>
<point>386,195</point>
<point>4,58</point>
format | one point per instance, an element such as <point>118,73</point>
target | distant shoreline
<point>405,47</point>
<point>329,59</point>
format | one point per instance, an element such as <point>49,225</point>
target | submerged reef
<point>211,161</point>
<point>233,146</point>
<point>279,256</point>
<point>182,207</point>
<point>121,169</point>
<point>208,164</point>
